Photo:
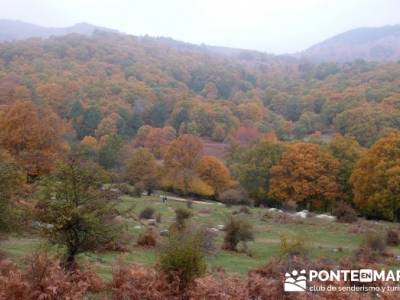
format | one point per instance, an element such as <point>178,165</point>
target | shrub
<point>138,189</point>
<point>181,215</point>
<point>147,213</point>
<point>207,237</point>
<point>182,258</point>
<point>392,237</point>
<point>292,246</point>
<point>372,249</point>
<point>43,278</point>
<point>345,213</point>
<point>148,238</point>
<point>375,242</point>
<point>237,230</point>
<point>234,197</point>
<point>126,189</point>
<point>221,286</point>
<point>138,282</point>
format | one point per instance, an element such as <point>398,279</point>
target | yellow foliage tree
<point>376,180</point>
<point>305,174</point>
<point>34,136</point>
<point>213,172</point>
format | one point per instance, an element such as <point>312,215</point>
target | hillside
<point>11,30</point>
<point>377,44</point>
<point>201,92</point>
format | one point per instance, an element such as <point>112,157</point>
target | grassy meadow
<point>323,238</point>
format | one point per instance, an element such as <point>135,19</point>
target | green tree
<point>78,212</point>
<point>142,169</point>
<point>158,114</point>
<point>11,181</point>
<point>76,110</point>
<point>110,153</point>
<point>347,151</point>
<point>252,167</point>
<point>90,120</point>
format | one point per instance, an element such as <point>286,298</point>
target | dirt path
<point>194,201</point>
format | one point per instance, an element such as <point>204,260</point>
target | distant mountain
<point>380,44</point>
<point>11,30</point>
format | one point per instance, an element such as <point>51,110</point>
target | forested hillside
<point>182,156</point>
<point>124,78</point>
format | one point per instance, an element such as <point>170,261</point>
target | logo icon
<point>366,275</point>
<point>295,281</point>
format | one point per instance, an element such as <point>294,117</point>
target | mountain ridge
<point>368,43</point>
<point>12,30</point>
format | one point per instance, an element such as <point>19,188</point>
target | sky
<point>273,26</point>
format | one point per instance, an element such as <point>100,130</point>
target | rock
<point>301,214</point>
<point>215,230</point>
<point>326,217</point>
<point>220,227</point>
<point>164,232</point>
<point>137,227</point>
<point>152,222</point>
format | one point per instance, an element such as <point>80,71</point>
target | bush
<point>148,238</point>
<point>43,278</point>
<point>234,197</point>
<point>207,237</point>
<point>126,189</point>
<point>147,213</point>
<point>292,246</point>
<point>392,237</point>
<point>138,282</point>
<point>345,213</point>
<point>375,242</point>
<point>372,249</point>
<point>138,189</point>
<point>237,230</point>
<point>183,259</point>
<point>181,215</point>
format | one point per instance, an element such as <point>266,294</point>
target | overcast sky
<point>276,26</point>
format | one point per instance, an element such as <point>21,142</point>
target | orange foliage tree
<point>181,161</point>
<point>306,174</point>
<point>142,168</point>
<point>34,136</point>
<point>376,180</point>
<point>155,139</point>
<point>213,172</point>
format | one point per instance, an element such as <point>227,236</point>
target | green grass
<point>323,238</point>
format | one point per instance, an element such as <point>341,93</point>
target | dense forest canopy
<point>205,116</point>
<point>130,81</point>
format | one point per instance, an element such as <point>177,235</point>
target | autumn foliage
<point>306,174</point>
<point>33,135</point>
<point>376,179</point>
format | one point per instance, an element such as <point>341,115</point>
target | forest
<point>88,121</point>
